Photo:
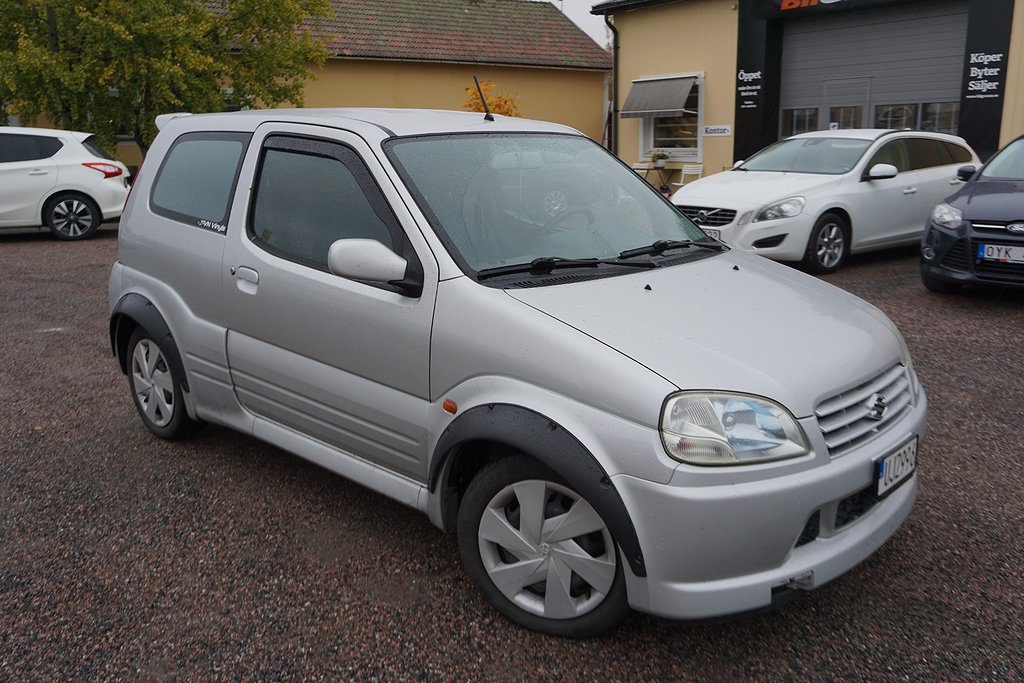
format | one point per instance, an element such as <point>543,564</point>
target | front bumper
<point>729,548</point>
<point>954,256</point>
<point>784,239</point>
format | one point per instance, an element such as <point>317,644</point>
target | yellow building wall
<point>683,37</point>
<point>1013,97</point>
<point>573,98</point>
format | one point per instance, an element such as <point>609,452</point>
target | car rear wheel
<point>828,245</point>
<point>539,552</point>
<point>156,389</point>
<point>72,216</point>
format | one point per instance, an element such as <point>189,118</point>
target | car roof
<point>392,122</point>
<point>49,132</point>
<point>875,134</point>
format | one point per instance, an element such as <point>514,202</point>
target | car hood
<point>991,200</point>
<point>732,322</point>
<point>751,189</point>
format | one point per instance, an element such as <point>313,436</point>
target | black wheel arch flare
<point>134,310</point>
<point>540,437</point>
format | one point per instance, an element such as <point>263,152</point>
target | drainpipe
<point>613,137</point>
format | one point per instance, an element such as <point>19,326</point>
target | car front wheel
<point>72,216</point>
<point>828,245</point>
<point>539,552</point>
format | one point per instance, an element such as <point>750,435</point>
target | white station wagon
<point>818,197</point>
<point>608,408</point>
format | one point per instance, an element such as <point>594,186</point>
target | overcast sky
<point>579,12</point>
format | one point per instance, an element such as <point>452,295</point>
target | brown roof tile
<point>512,32</point>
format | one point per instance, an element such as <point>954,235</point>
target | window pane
<point>18,148</point>
<point>894,153</point>
<point>93,146</point>
<point>48,146</point>
<point>305,202</point>
<point>926,153</point>
<point>960,155</point>
<point>844,117</point>
<point>196,180</point>
<point>896,116</point>
<point>796,121</point>
<point>941,117</point>
<point>679,131</point>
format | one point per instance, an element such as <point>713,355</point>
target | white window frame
<point>647,129</point>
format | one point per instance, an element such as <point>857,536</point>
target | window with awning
<point>662,97</point>
<point>669,111</point>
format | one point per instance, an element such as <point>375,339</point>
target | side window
<point>893,152</point>
<point>48,147</point>
<point>960,155</point>
<point>926,153</point>
<point>197,178</point>
<point>310,193</point>
<point>19,148</point>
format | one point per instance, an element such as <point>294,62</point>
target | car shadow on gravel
<point>106,231</point>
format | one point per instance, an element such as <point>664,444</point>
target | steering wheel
<point>572,210</point>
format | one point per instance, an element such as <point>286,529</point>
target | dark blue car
<point>977,235</point>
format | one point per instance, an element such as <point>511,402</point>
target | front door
<point>337,360</point>
<point>25,176</point>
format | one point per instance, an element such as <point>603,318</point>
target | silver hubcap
<point>555,202</point>
<point>72,217</point>
<point>151,381</point>
<point>830,245</point>
<point>546,549</point>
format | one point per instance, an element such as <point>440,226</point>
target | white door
<point>25,178</point>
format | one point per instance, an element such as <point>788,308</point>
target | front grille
<point>994,270</point>
<point>956,257</point>
<point>811,530</point>
<point>991,226</point>
<point>861,413</point>
<point>852,508</point>
<point>715,218</point>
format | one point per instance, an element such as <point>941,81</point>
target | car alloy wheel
<point>828,244</point>
<point>72,218</point>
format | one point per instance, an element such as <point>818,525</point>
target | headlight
<point>785,208</point>
<point>947,217</point>
<point>729,429</point>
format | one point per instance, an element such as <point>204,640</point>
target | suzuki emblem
<point>876,406</point>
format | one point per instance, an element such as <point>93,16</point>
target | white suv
<point>817,197</point>
<point>59,179</point>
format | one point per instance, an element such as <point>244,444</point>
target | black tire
<point>71,216</point>
<point>156,389</point>
<point>828,246</point>
<point>587,607</point>
<point>934,284</point>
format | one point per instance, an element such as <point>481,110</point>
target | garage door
<point>891,67</point>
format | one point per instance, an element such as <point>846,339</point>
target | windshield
<point>504,199</point>
<point>1007,164</point>
<point>831,156</point>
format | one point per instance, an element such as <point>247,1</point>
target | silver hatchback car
<point>498,323</point>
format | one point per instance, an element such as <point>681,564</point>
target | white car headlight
<point>947,216</point>
<point>784,208</point>
<point>702,428</point>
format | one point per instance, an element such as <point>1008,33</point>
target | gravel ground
<point>221,558</point>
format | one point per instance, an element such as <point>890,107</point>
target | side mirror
<point>366,260</point>
<point>965,173</point>
<point>882,172</point>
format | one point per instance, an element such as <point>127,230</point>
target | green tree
<point>111,66</point>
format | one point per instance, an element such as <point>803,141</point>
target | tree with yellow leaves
<point>507,103</point>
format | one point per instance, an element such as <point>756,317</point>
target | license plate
<point>717,234</point>
<point>895,468</point>
<point>1001,253</point>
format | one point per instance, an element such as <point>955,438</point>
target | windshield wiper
<point>546,264</point>
<point>661,246</point>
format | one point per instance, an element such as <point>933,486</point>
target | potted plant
<point>659,157</point>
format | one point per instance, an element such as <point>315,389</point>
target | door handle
<point>38,171</point>
<point>246,279</point>
<point>910,190</point>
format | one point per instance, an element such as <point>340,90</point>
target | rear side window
<point>19,147</point>
<point>927,153</point>
<point>94,148</point>
<point>197,178</point>
<point>893,152</point>
<point>311,193</point>
<point>960,155</point>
